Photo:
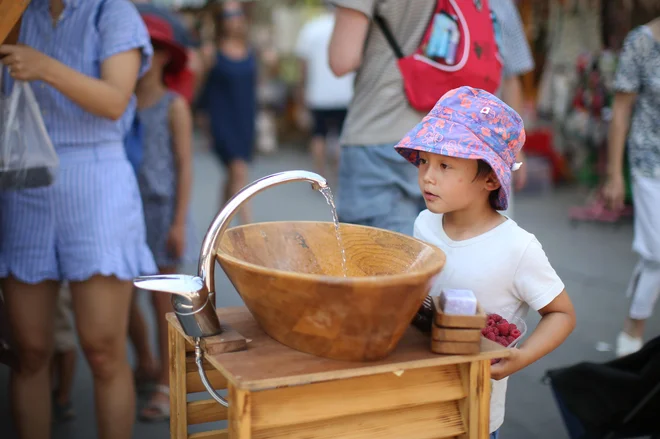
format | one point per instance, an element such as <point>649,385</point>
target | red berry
<point>515,333</point>
<point>496,317</point>
<point>512,326</point>
<point>495,331</point>
<point>491,336</point>
<point>484,331</point>
<point>502,340</point>
<point>510,339</point>
<point>490,322</point>
<point>503,328</point>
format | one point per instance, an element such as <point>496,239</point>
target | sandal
<point>145,383</point>
<point>62,412</point>
<point>157,411</point>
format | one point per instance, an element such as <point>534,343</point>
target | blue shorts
<point>378,187</point>
<point>495,434</point>
<point>90,221</point>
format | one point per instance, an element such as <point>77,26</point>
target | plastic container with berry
<point>504,328</point>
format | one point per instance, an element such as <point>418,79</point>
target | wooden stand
<point>276,392</point>
<point>11,12</point>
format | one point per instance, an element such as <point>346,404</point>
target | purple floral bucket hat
<point>470,123</point>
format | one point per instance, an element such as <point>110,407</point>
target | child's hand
<point>508,366</point>
<point>176,240</point>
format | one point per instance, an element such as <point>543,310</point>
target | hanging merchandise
<point>575,29</point>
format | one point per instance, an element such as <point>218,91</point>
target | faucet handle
<point>181,284</point>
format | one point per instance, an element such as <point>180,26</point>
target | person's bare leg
<point>238,179</point>
<point>227,190</point>
<point>66,370</point>
<point>317,147</point>
<point>162,305</point>
<point>146,369</point>
<point>634,328</point>
<point>31,316</point>
<point>101,306</point>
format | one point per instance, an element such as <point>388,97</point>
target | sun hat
<point>161,32</point>
<point>181,33</point>
<point>470,123</point>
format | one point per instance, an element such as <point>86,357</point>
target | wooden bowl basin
<point>290,277</point>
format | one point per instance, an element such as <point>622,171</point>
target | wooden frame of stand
<point>11,12</point>
<point>277,392</point>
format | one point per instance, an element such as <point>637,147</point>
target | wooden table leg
<point>240,414</point>
<point>475,408</point>
<point>178,392</point>
<point>484,397</point>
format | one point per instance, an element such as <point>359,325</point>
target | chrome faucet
<point>223,219</point>
<point>193,297</point>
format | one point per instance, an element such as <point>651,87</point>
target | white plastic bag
<point>27,156</point>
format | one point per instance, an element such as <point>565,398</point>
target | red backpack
<point>459,47</point>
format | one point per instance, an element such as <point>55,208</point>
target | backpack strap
<point>389,36</point>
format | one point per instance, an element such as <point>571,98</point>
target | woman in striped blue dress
<point>82,58</point>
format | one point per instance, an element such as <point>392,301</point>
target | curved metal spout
<point>224,217</point>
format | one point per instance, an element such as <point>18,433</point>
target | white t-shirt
<point>323,90</point>
<point>507,270</point>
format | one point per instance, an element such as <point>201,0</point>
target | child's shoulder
<point>177,104</point>
<point>429,223</point>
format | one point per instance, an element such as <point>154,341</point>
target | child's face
<point>450,184</point>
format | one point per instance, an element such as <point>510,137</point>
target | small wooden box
<point>456,334</point>
<point>455,347</point>
<point>460,335</point>
<point>477,321</point>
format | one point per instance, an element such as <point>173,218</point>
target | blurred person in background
<point>229,99</point>
<point>376,187</point>
<point>517,61</point>
<point>87,228</point>
<point>325,95</point>
<point>635,116</point>
<point>165,180</point>
<point>186,82</point>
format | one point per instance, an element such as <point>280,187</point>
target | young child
<point>165,180</point>
<point>465,150</point>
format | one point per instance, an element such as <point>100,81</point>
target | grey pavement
<point>595,262</point>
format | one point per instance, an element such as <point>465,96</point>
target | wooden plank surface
<point>215,434</point>
<point>208,410</point>
<point>194,381</point>
<point>268,364</point>
<point>430,421</point>
<point>10,15</point>
<point>331,401</point>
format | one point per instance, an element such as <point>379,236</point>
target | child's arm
<point>557,322</point>
<point>181,128</point>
